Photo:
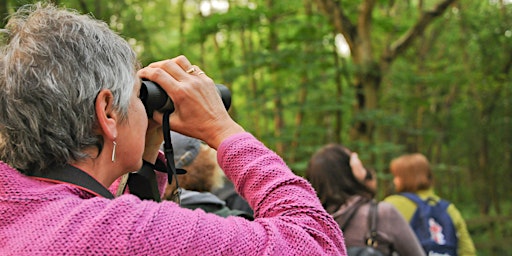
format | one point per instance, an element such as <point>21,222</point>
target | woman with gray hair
<point>72,124</point>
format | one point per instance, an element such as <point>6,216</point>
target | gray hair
<point>52,66</point>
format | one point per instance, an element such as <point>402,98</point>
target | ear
<point>107,117</point>
<point>397,181</point>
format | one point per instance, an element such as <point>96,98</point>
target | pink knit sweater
<point>43,218</point>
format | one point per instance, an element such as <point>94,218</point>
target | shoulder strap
<point>416,199</point>
<point>373,220</point>
<point>413,197</point>
<point>72,175</point>
<point>443,204</point>
<point>349,213</point>
<point>372,223</point>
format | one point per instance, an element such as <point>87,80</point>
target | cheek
<point>138,123</point>
<point>396,182</point>
<point>142,123</point>
<point>139,113</point>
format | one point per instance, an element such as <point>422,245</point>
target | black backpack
<point>433,226</point>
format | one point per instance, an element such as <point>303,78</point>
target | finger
<point>195,70</point>
<point>157,75</point>
<point>178,58</point>
<point>191,70</point>
<point>158,63</point>
<point>183,62</point>
<point>175,68</point>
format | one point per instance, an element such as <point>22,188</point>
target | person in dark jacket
<point>203,175</point>
<point>233,200</point>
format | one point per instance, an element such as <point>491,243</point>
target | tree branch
<point>404,42</point>
<point>341,22</point>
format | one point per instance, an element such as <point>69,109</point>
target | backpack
<point>433,226</point>
<point>371,238</point>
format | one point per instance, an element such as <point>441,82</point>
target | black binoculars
<point>155,98</point>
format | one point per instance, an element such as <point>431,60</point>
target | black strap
<point>351,213</point>
<point>158,166</point>
<point>143,183</point>
<point>373,220</point>
<point>372,223</point>
<point>72,175</point>
<point>172,171</point>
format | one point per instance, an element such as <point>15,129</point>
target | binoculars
<point>155,98</point>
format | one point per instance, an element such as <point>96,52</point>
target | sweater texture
<point>46,218</point>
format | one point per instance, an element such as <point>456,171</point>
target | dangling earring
<point>114,152</point>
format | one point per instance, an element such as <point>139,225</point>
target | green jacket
<point>407,208</point>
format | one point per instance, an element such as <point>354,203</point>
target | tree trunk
<point>370,69</point>
<point>303,92</point>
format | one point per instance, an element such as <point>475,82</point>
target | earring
<point>114,152</point>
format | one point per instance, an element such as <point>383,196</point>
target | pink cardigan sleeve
<point>289,219</point>
<point>283,202</point>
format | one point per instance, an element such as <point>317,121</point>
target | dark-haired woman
<point>340,181</point>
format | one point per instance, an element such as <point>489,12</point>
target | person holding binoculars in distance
<point>72,124</point>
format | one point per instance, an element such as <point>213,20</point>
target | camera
<point>155,98</point>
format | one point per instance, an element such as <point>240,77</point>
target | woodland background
<point>383,77</point>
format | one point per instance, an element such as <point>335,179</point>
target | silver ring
<point>191,70</point>
<point>200,73</point>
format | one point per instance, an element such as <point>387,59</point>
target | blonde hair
<point>414,172</point>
